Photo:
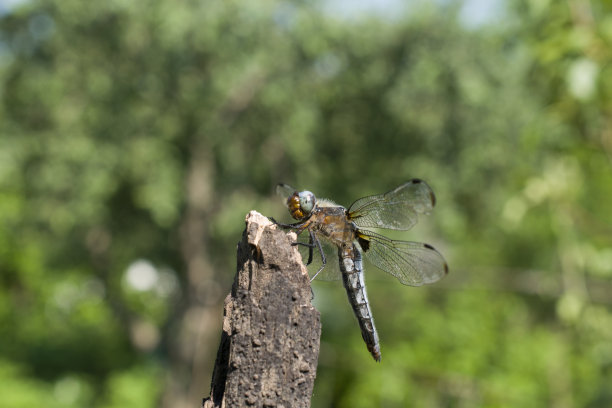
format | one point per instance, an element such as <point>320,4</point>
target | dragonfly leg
<point>310,245</point>
<point>311,241</point>
<point>323,260</point>
<point>310,248</point>
<point>296,225</point>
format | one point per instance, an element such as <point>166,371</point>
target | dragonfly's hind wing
<point>412,263</point>
<point>331,272</point>
<point>397,209</point>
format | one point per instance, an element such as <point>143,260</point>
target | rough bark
<point>270,339</point>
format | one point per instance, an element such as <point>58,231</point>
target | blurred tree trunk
<point>191,339</point>
<point>270,340</point>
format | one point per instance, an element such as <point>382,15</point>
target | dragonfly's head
<point>301,204</point>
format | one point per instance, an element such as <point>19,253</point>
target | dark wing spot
<point>434,249</point>
<point>433,198</point>
<point>365,244</point>
<point>416,181</point>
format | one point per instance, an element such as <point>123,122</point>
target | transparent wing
<point>413,263</point>
<point>398,209</point>
<point>284,191</point>
<point>331,272</point>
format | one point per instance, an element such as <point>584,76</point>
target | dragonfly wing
<point>397,209</point>
<point>412,263</point>
<point>284,190</point>
<point>331,272</point>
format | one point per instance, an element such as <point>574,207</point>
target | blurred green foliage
<point>134,136</point>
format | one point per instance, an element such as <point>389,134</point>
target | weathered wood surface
<point>270,340</point>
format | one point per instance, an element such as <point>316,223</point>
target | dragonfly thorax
<point>301,204</point>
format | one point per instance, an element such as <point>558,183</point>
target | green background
<point>136,135</point>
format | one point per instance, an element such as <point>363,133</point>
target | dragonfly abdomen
<point>351,266</point>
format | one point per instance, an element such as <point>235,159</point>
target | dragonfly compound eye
<point>307,201</point>
<point>300,204</point>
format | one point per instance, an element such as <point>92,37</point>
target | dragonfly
<point>348,230</point>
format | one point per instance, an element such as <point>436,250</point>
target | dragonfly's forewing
<point>284,190</point>
<point>397,209</point>
<point>412,263</point>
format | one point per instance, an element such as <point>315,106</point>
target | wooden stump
<point>270,340</point>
